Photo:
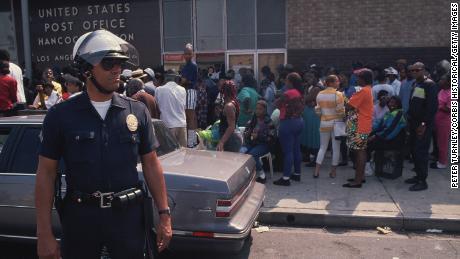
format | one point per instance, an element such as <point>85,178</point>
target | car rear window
<point>25,158</point>
<point>4,133</point>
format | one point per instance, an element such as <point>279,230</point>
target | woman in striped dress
<point>330,107</point>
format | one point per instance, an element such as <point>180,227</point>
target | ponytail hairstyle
<point>228,91</point>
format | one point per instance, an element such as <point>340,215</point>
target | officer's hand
<point>48,247</point>
<point>164,232</point>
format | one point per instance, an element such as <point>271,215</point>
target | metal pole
<point>26,37</point>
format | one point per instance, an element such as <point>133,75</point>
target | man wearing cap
<point>422,110</point>
<point>392,75</point>
<point>99,135</point>
<point>149,80</point>
<point>136,90</point>
<point>190,73</point>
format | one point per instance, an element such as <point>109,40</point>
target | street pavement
<point>380,202</point>
<point>298,243</point>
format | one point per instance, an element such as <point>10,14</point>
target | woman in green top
<point>247,98</point>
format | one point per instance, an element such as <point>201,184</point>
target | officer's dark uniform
<point>99,155</point>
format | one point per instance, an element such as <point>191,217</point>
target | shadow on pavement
<point>243,254</point>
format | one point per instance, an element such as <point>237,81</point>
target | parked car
<point>213,195</point>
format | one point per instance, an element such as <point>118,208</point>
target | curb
<point>309,218</point>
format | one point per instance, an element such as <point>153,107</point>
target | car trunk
<point>197,180</point>
<point>219,172</point>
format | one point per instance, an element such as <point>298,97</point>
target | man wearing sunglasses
<point>422,110</point>
<point>99,135</point>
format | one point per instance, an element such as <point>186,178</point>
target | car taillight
<point>224,208</point>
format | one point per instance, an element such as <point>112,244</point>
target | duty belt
<point>108,199</point>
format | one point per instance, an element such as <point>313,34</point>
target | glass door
<point>237,61</point>
<point>272,60</point>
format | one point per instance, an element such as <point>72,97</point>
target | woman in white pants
<point>330,106</point>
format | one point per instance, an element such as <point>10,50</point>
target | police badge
<point>131,122</point>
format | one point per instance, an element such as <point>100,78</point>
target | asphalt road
<point>297,243</point>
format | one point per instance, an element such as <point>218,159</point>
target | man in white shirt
<point>381,85</point>
<point>392,75</point>
<point>380,108</point>
<point>171,99</point>
<point>16,73</point>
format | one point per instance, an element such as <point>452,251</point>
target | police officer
<point>99,135</point>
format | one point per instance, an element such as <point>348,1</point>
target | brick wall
<point>385,57</point>
<point>329,24</point>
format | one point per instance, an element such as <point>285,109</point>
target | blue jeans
<point>289,135</point>
<point>256,152</point>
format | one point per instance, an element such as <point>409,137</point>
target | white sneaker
<point>441,166</point>
<point>368,171</point>
<point>261,174</point>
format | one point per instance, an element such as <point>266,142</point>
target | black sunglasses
<point>108,63</point>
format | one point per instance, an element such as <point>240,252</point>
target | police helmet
<point>92,47</point>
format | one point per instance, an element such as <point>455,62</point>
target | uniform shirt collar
<point>117,101</point>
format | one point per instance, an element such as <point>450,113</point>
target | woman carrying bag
<point>330,107</point>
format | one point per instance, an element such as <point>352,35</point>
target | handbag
<point>339,129</point>
<point>339,126</point>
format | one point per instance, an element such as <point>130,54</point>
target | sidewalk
<point>324,202</point>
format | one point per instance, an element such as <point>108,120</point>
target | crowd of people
<point>297,114</point>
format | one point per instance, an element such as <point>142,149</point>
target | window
<point>241,24</point>
<point>8,35</point>
<point>4,133</point>
<point>272,60</point>
<point>26,156</point>
<point>177,24</point>
<point>209,25</point>
<point>271,24</point>
<point>250,24</point>
<point>238,33</point>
